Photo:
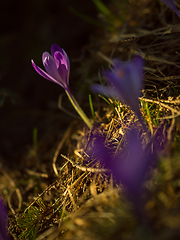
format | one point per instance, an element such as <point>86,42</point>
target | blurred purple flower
<point>170,4</point>
<point>126,80</point>
<point>57,66</point>
<point>129,169</point>
<point>3,221</point>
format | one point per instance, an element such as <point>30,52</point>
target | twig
<point>85,169</point>
<point>65,136</point>
<point>37,174</point>
<point>169,78</point>
<point>156,59</point>
<point>47,233</point>
<point>71,197</point>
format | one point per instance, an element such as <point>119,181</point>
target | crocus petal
<point>3,221</point>
<point>110,92</point>
<point>60,60</point>
<point>62,67</point>
<point>121,96</point>
<point>117,80</point>
<point>171,5</point>
<point>67,59</point>
<point>129,169</point>
<point>55,48</point>
<point>132,73</point>
<point>126,81</point>
<point>135,71</point>
<point>57,66</point>
<point>50,65</point>
<point>51,68</point>
<point>123,89</point>
<point>43,73</point>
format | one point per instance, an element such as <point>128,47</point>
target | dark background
<point>27,29</point>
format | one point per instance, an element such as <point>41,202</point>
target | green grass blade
<point>148,112</point>
<point>175,91</point>
<point>86,18</point>
<point>157,118</point>
<point>104,99</point>
<point>102,8</point>
<point>91,107</point>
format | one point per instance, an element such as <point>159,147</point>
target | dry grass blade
<point>85,169</point>
<point>173,110</point>
<point>60,145</point>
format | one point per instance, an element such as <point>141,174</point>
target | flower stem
<point>78,109</point>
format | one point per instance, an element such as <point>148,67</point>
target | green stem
<point>78,109</point>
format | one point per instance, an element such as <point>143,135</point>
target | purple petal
<point>100,152</point>
<point>124,96</point>
<point>43,73</point>
<point>171,5</point>
<point>60,60</point>
<point>139,65</point>
<point>57,66</point>
<point>55,48</point>
<point>51,67</point>
<point>129,169</point>
<point>44,56</point>
<point>3,221</point>
<point>130,74</point>
<point>135,70</point>
<point>126,81</point>
<point>124,88</point>
<point>117,64</point>
<point>140,71</point>
<point>132,169</point>
<point>62,67</point>
<point>116,79</point>
<point>110,92</point>
<point>67,59</point>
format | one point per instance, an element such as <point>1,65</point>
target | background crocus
<point>3,221</point>
<point>126,82</point>
<point>131,168</point>
<point>57,68</point>
<point>170,4</point>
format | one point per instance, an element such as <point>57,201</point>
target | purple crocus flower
<point>126,80</point>
<point>170,4</point>
<point>131,168</point>
<point>57,66</point>
<point>3,221</point>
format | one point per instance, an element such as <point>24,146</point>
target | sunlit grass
<point>151,113</point>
